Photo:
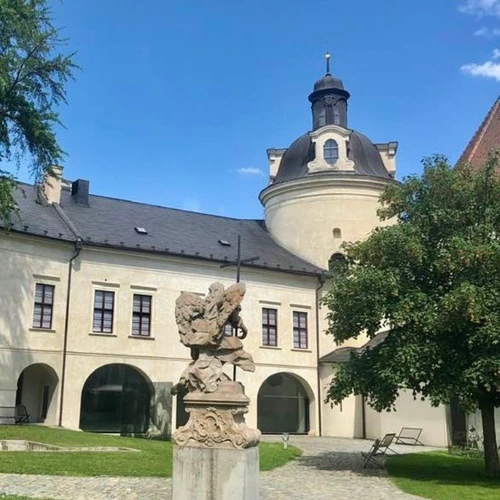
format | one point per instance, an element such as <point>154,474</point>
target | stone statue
<point>215,439</point>
<point>201,323</point>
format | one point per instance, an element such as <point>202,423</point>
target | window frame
<point>43,306</point>
<point>267,327</point>
<point>103,310</point>
<point>300,331</point>
<point>142,314</point>
<point>327,146</point>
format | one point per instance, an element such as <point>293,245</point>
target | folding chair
<point>22,415</point>
<point>378,449</point>
<point>409,435</point>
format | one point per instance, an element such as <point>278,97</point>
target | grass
<point>155,459</point>
<point>15,497</point>
<point>441,476</point>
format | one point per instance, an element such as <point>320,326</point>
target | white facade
<point>51,370</point>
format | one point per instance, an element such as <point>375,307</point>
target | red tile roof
<point>484,140</point>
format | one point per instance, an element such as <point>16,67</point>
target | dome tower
<point>324,188</point>
<point>329,100</point>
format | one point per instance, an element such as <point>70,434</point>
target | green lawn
<point>155,458</point>
<point>441,476</point>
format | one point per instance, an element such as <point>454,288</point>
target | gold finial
<point>328,57</point>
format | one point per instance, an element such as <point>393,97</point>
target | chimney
<point>80,192</point>
<point>52,184</point>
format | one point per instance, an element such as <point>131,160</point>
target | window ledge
<point>49,330</point>
<point>97,334</point>
<point>270,347</point>
<point>141,337</point>
<point>297,349</point>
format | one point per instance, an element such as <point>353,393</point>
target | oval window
<point>331,151</point>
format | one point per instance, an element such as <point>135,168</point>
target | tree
<point>33,73</point>
<point>431,283</point>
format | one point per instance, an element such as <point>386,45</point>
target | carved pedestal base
<point>215,453</point>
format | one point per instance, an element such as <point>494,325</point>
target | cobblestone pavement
<point>329,468</point>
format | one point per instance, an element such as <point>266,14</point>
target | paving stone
<point>330,468</point>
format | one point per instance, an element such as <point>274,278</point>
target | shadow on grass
<point>441,468</point>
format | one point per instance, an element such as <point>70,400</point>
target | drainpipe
<point>321,280</point>
<point>363,415</point>
<point>78,249</point>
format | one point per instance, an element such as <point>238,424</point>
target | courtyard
<point>325,467</point>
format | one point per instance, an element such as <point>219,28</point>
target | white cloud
<point>480,7</point>
<point>250,171</point>
<point>489,69</point>
<point>487,32</point>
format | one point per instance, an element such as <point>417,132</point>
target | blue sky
<point>177,99</point>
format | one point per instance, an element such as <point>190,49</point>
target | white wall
<point>161,357</point>
<point>411,413</point>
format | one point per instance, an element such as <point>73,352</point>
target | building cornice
<point>324,180</point>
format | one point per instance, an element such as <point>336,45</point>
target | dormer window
<point>331,151</point>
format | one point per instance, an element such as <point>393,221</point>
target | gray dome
<point>362,152</point>
<point>328,82</point>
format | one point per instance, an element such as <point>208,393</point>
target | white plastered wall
<point>410,413</point>
<point>343,420</point>
<point>161,358</point>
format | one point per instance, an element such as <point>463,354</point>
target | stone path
<point>329,468</point>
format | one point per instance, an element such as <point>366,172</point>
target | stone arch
<point>117,398</point>
<point>37,390</point>
<point>336,260</point>
<point>285,403</point>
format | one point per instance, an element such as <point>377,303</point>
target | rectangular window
<point>104,305</point>
<point>228,330</point>
<point>44,302</point>
<point>141,315</point>
<point>299,330</point>
<point>269,327</point>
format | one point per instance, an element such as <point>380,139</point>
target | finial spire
<point>328,57</point>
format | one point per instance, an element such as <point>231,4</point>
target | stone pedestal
<point>215,454</point>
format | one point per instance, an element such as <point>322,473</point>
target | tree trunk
<point>490,439</point>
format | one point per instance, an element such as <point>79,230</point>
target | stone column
<point>216,456</point>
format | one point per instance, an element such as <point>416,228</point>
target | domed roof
<point>364,154</point>
<point>328,82</point>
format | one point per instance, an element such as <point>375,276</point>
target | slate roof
<point>362,151</point>
<point>37,219</point>
<point>109,222</point>
<point>486,138</point>
<point>343,354</point>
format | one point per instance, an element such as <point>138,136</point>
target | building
<point>485,140</point>
<point>87,332</point>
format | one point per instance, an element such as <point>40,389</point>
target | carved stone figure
<point>201,323</point>
<point>215,439</point>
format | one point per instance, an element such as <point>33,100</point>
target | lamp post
<point>285,437</point>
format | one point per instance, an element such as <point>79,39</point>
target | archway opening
<point>337,263</point>
<point>181,415</point>
<point>36,390</point>
<point>116,398</point>
<point>283,405</point>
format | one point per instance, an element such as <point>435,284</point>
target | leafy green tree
<point>431,281</point>
<point>33,73</point>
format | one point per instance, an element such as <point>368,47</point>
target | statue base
<point>215,454</point>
